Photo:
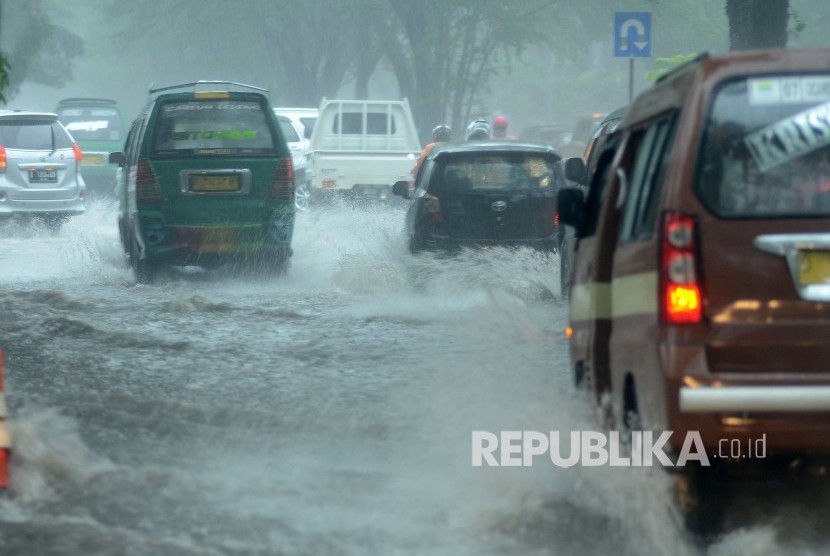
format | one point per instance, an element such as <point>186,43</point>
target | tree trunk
<point>757,23</point>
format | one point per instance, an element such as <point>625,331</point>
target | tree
<point>40,51</point>
<point>445,53</point>
<point>757,23</point>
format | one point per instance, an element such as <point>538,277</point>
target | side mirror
<point>575,171</point>
<point>570,203</point>
<point>401,189</point>
<point>117,158</point>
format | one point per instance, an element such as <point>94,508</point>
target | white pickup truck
<point>362,147</point>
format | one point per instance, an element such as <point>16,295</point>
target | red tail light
<point>556,218</point>
<point>283,188</point>
<point>431,208</point>
<point>4,468</point>
<point>3,159</point>
<point>146,187</point>
<point>681,301</point>
<point>79,156</point>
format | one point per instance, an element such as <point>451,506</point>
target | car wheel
<point>701,495</point>
<point>143,269</point>
<point>302,196</point>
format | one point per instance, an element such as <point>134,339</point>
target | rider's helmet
<point>477,130</point>
<point>441,133</point>
<point>499,126</point>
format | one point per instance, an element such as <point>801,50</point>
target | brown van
<point>701,276</point>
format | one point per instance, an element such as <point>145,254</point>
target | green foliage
<point>666,64</point>
<point>39,50</point>
<point>4,77</point>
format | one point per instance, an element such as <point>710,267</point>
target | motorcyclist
<point>440,134</point>
<point>478,130</point>
<point>500,128</point>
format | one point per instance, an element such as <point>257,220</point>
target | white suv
<point>40,168</point>
<point>297,125</point>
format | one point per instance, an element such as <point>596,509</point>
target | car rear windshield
<point>92,123</point>
<point>766,148</point>
<point>503,172</point>
<point>213,127</point>
<point>376,123</point>
<point>36,135</point>
<point>288,131</point>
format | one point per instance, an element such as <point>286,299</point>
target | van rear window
<point>92,123</point>
<point>766,148</point>
<point>213,126</point>
<point>376,123</point>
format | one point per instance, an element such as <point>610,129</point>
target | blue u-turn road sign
<point>632,34</point>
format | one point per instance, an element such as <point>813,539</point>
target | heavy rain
<point>332,405</point>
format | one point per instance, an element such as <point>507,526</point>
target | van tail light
<point>283,188</point>
<point>146,187</point>
<point>555,219</point>
<point>431,208</point>
<point>3,159</point>
<point>681,300</point>
<point>79,156</point>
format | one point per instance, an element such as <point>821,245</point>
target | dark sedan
<point>485,193</point>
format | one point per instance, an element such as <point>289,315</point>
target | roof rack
<point>683,66</point>
<point>87,99</point>
<point>203,82</point>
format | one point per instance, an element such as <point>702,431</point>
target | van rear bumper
<point>766,399</point>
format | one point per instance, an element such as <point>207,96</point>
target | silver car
<point>40,168</point>
<point>297,125</point>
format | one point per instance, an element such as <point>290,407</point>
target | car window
<point>288,131</point>
<point>499,172</point>
<point>640,215</point>
<point>33,135</point>
<point>766,148</point>
<point>376,123</point>
<point>308,124</point>
<point>91,123</point>
<point>596,187</point>
<point>203,126</point>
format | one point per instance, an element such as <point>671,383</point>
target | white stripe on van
<point>624,297</point>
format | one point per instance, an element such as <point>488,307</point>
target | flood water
<point>329,411</point>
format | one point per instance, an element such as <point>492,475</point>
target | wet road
<point>326,412</point>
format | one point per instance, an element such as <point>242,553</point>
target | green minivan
<point>98,127</point>
<point>206,179</point>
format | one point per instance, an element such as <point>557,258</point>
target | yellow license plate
<point>813,267</point>
<point>219,240</point>
<point>93,159</point>
<point>214,183</point>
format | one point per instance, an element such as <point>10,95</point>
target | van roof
<point>675,88</point>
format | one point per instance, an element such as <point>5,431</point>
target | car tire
<point>701,495</point>
<point>302,196</point>
<point>144,270</point>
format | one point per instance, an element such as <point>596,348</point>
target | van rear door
<point>764,176</point>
